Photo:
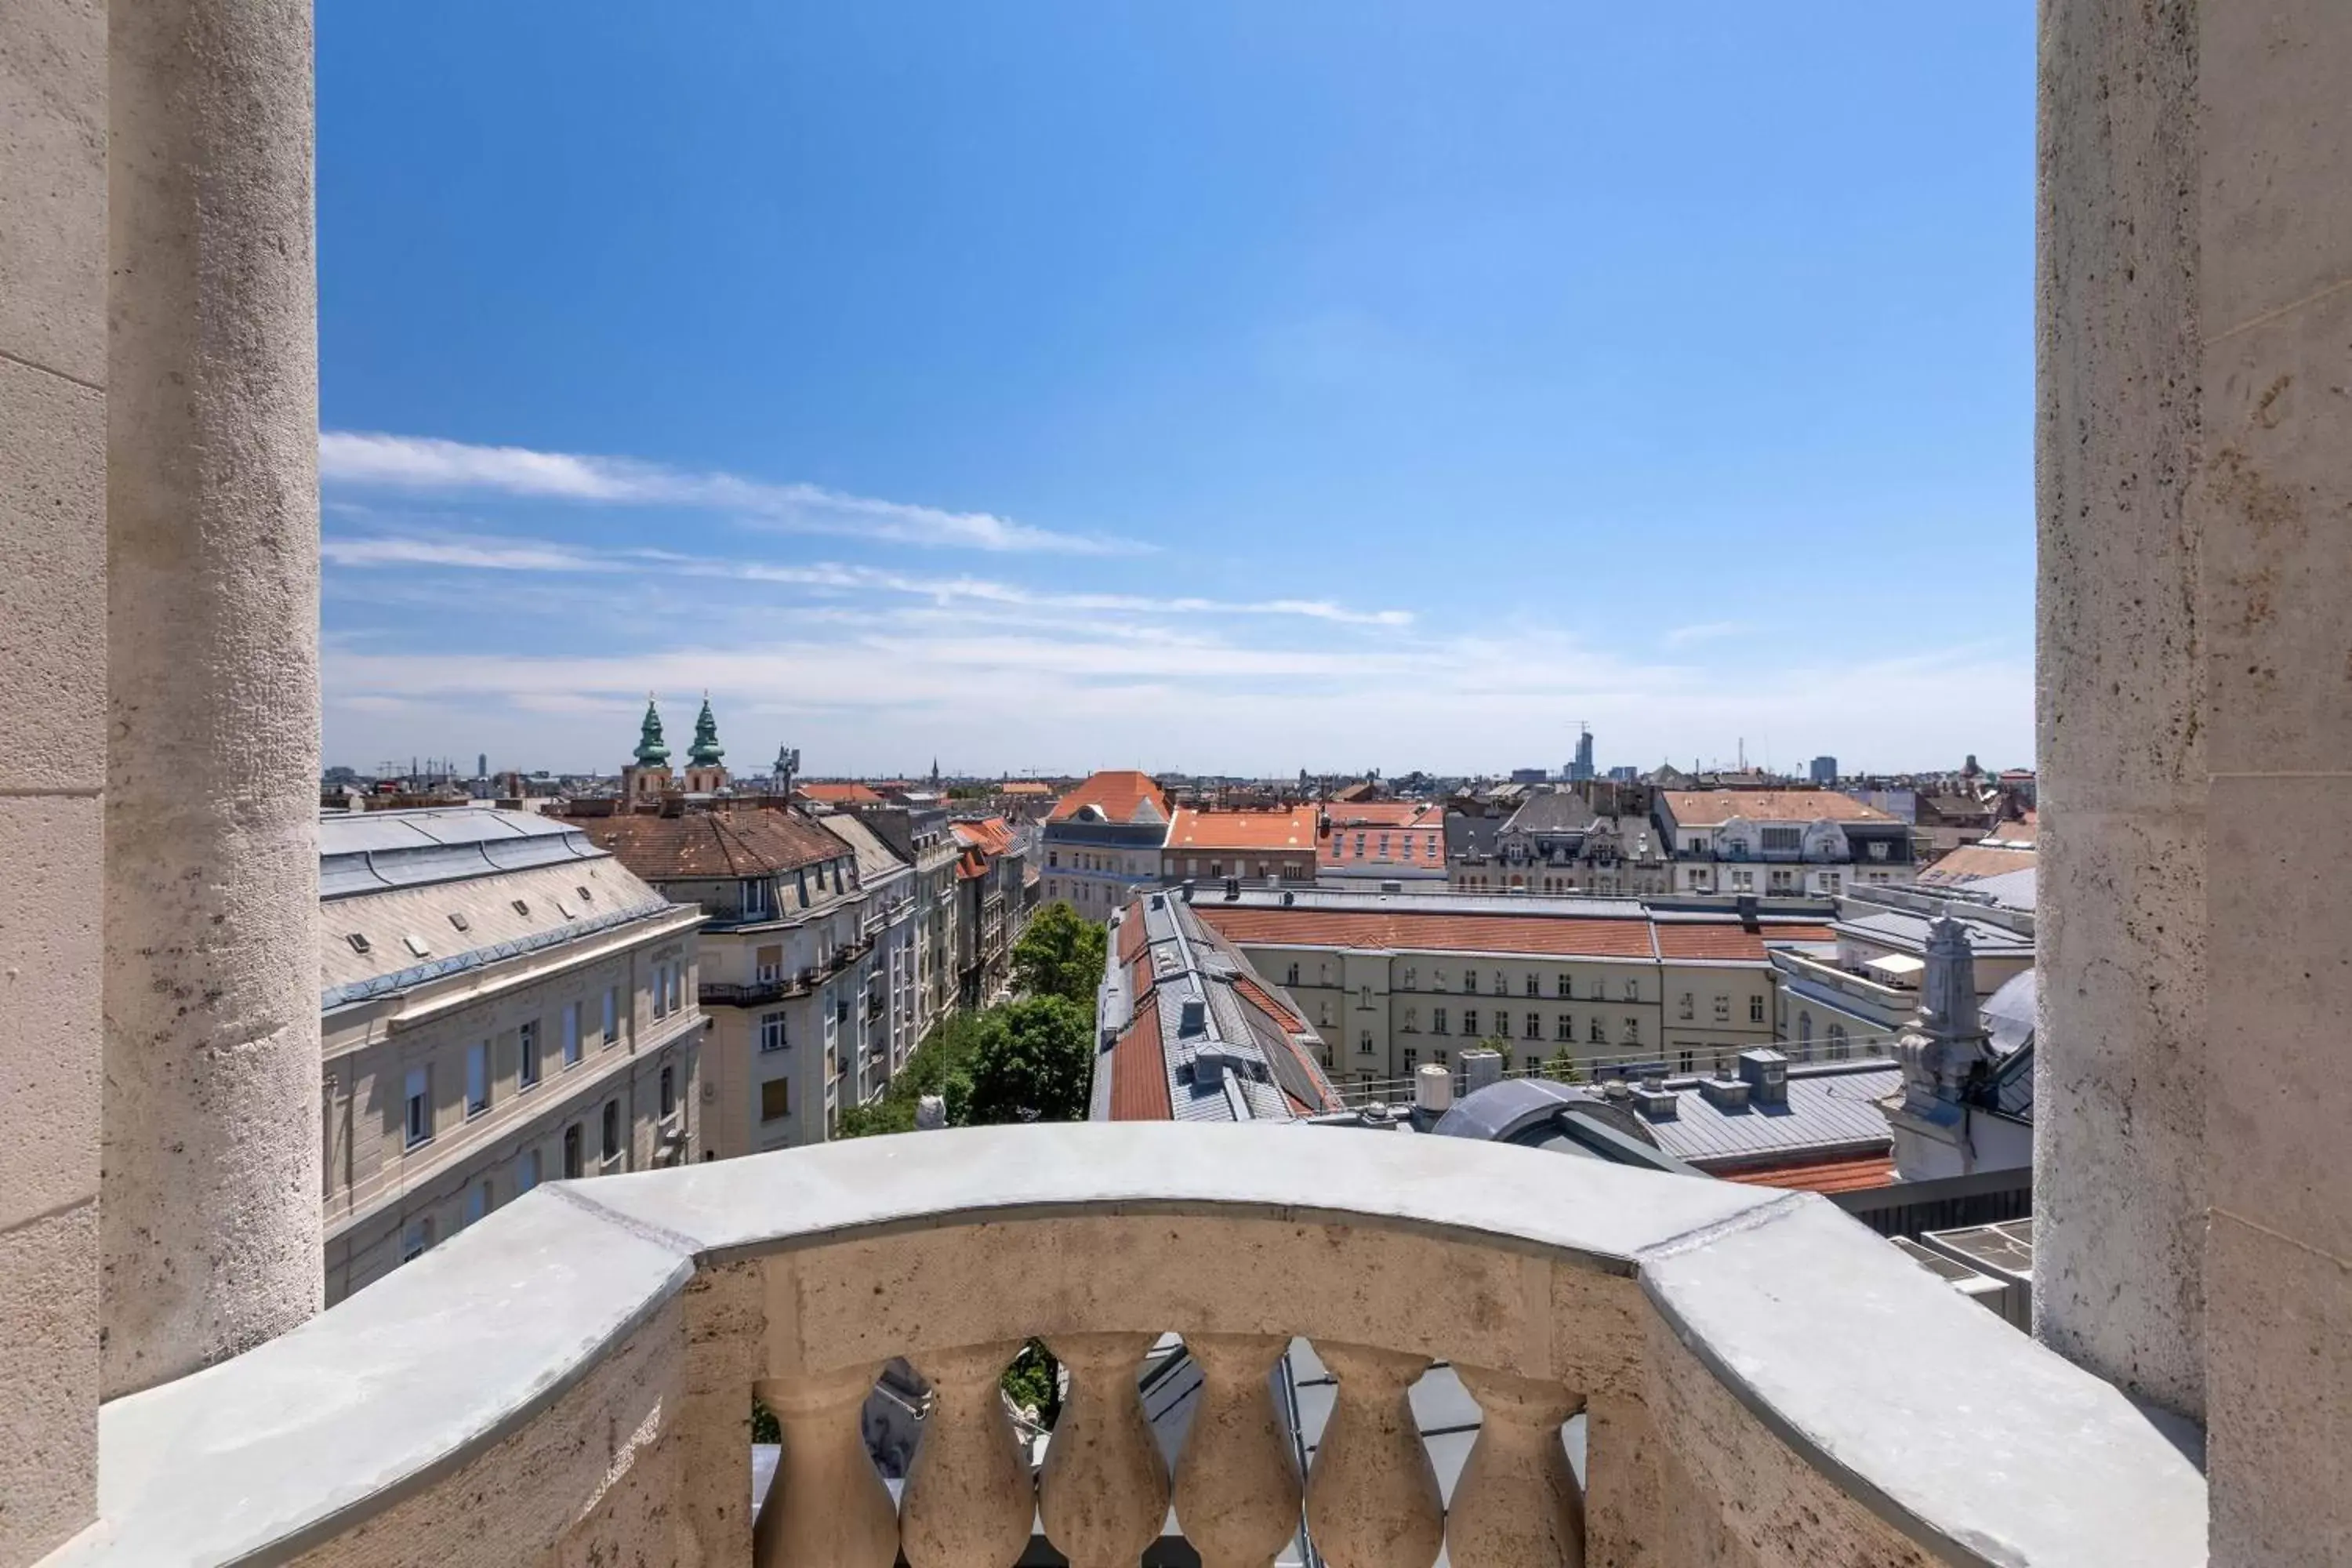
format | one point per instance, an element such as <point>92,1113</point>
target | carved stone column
<point>1516,1504</point>
<point>1372,1499</point>
<point>969,1501</point>
<point>1237,1485</point>
<point>827,1507</point>
<point>1103,1492</point>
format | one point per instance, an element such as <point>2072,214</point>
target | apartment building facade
<point>1393,981</point>
<point>1103,842</point>
<point>992,905</point>
<point>796,994</point>
<point>1255,847</point>
<point>503,1003</point>
<point>1555,842</point>
<point>922,837</point>
<point>1367,843</point>
<point>1784,841</point>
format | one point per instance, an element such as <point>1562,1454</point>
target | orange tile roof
<point>1709,942</point>
<point>1383,813</point>
<point>1823,1175</point>
<point>1242,829</point>
<point>1971,861</point>
<point>703,846</point>
<point>838,793</point>
<point>1713,807</point>
<point>1563,937</point>
<point>1138,1072</point>
<point>1024,787</point>
<point>989,835</point>
<point>1284,1018</point>
<point>1121,794</point>
<point>1130,938</point>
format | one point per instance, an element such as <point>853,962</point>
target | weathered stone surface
<point>53,191</point>
<point>49,1367</point>
<point>2282,1388</point>
<point>210,1226</point>
<point>2119,1154</point>
<point>52,580</point>
<point>48,1006</point>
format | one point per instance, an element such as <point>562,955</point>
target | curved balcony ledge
<point>1767,1382</point>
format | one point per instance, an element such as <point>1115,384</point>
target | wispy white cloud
<point>425,464</point>
<point>509,554</point>
<point>1707,631</point>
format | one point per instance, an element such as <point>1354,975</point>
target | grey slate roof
<point>361,852</point>
<point>1556,810</point>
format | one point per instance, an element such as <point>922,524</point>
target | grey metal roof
<point>1555,811</point>
<point>2008,1013</point>
<point>1907,931</point>
<point>1501,1111</point>
<point>1831,1106</point>
<point>362,852</point>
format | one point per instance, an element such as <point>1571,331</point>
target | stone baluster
<point>1103,1495</point>
<point>1518,1504</point>
<point>1237,1487</point>
<point>1372,1499</point>
<point>827,1507</point>
<point>969,1499</point>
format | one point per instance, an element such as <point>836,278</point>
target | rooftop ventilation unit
<point>1195,1014</point>
<point>1480,1068</point>
<point>1655,1102</point>
<point>1725,1093</point>
<point>1765,1073</point>
<point>1433,1090</point>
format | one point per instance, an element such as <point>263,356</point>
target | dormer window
<point>415,945</point>
<point>358,941</point>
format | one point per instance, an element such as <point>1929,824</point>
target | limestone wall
<point>53,715</point>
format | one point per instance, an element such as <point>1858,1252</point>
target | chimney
<point>1195,1015</point>
<point>1433,1090</point>
<point>1288,898</point>
<point>1765,1073</point>
<point>1187,891</point>
<point>1208,1066</point>
<point>1725,1093</point>
<point>1655,1102</point>
<point>1233,890</point>
<point>1480,1068</point>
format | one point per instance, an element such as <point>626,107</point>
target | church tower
<point>704,773</point>
<point>649,779</point>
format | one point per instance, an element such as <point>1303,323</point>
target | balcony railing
<point>1763,1381</point>
<point>759,993</point>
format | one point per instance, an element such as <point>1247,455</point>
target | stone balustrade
<point>1764,1382</point>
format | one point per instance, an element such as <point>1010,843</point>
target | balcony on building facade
<point>1762,1381</point>
<point>781,986</point>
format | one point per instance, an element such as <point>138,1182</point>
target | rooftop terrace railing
<point>1764,1382</point>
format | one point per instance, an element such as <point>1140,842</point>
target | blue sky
<point>1222,386</point>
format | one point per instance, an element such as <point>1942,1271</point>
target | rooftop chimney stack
<point>1479,1069</point>
<point>1433,1090</point>
<point>1765,1073</point>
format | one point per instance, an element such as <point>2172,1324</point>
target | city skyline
<point>1227,392</point>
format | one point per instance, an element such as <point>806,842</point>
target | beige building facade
<point>1396,982</point>
<point>503,1005</point>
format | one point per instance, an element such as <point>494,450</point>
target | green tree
<point>1033,1061</point>
<point>1561,1066</point>
<point>1060,954</point>
<point>936,1067</point>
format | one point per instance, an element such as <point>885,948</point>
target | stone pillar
<point>2273,506</point>
<point>2119,1111</point>
<point>52,752</point>
<point>211,1153</point>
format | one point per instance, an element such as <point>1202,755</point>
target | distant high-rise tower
<point>1580,769</point>
<point>481,765</point>
<point>1825,770</point>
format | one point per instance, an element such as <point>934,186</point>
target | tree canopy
<point>1060,954</point>
<point>1032,1060</point>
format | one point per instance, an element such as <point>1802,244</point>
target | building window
<point>420,1106</point>
<point>478,1200</point>
<point>1469,1020</point>
<point>1684,1061</point>
<point>1411,979</point>
<point>661,990</point>
<point>1837,1042</point>
<point>1564,1028</point>
<point>1364,996</point>
<point>1438,1056</point>
<point>527,1053</point>
<point>612,1013</point>
<point>1469,980</point>
<point>1595,1033</point>
<point>1533,986</point>
<point>572,1153</point>
<point>1535,1027</point>
<point>775,1099</point>
<point>1563,988</point>
<point>571,1034</point>
<point>477,1078</point>
<point>669,1093</point>
<point>1723,1009</point>
<point>611,1129</point>
<point>1290,976</point>
<point>1437,1020</point>
<point>1756,1009</point>
<point>1364,1042</point>
<point>526,1171</point>
<point>755,897</point>
<point>772,1032</point>
<point>1632,991</point>
<point>1632,1031</point>
<point>1684,1008</point>
<point>1412,1020</point>
<point>416,1238</point>
<point>1411,1058</point>
<point>1781,837</point>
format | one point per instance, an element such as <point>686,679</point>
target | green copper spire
<point>651,752</point>
<point>705,750</point>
